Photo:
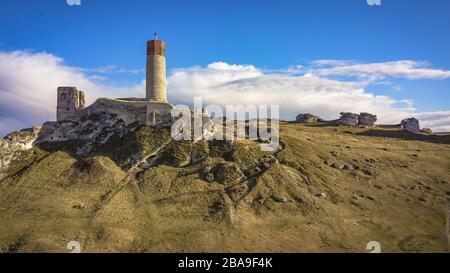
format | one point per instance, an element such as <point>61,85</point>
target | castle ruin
<point>151,110</point>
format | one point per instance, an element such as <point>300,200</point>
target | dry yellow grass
<point>332,189</point>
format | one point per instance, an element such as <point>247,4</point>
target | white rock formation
<point>94,131</point>
<point>367,119</point>
<point>91,132</point>
<point>308,118</point>
<point>14,143</point>
<point>347,119</point>
<point>411,125</point>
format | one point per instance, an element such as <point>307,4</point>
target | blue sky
<point>262,33</point>
<point>268,35</point>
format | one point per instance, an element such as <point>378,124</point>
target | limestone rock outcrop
<point>352,119</point>
<point>93,131</point>
<point>411,125</point>
<point>367,119</point>
<point>308,118</point>
<point>88,133</point>
<point>14,143</point>
<point>348,119</point>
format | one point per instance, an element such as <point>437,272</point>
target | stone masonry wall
<point>70,102</point>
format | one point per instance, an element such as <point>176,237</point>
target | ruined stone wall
<point>130,111</point>
<point>98,122</point>
<point>71,107</point>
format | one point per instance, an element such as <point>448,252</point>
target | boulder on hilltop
<point>352,119</point>
<point>411,125</point>
<point>367,119</point>
<point>308,118</point>
<point>347,119</point>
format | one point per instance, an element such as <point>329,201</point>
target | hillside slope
<point>329,189</point>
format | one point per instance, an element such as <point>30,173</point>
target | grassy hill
<point>330,189</point>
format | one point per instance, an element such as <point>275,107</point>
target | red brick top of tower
<point>156,47</point>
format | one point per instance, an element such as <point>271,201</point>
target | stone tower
<point>156,71</point>
<point>70,102</point>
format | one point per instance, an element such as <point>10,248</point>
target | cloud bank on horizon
<point>28,82</point>
<point>378,71</point>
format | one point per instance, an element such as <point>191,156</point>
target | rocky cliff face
<point>90,135</point>
<point>13,144</point>
<point>87,134</point>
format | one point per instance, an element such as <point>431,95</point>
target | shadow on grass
<point>314,124</point>
<point>404,135</point>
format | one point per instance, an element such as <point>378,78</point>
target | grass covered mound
<point>227,173</point>
<point>330,189</point>
<point>177,153</point>
<point>246,154</point>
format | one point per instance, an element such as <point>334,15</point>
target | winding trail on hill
<point>252,180</point>
<point>154,153</point>
<point>129,179</point>
<point>24,169</point>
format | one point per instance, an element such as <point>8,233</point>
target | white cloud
<point>332,62</point>
<point>438,121</point>
<point>378,71</point>
<point>28,83</point>
<point>296,94</point>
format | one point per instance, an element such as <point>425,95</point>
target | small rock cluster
<point>342,166</point>
<point>224,173</point>
<point>230,172</point>
<point>346,119</point>
<point>427,131</point>
<point>363,119</point>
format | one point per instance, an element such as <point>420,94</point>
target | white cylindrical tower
<point>156,89</point>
